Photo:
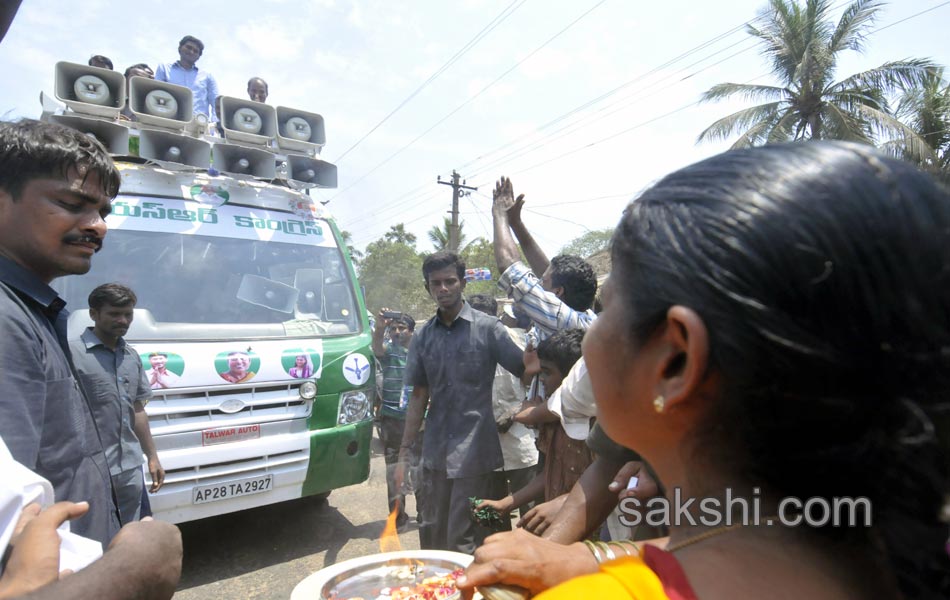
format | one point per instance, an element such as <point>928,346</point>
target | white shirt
<point>20,487</point>
<point>517,444</point>
<point>573,402</point>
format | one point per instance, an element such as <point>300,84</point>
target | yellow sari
<point>655,575</point>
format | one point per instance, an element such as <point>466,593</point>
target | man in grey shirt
<point>56,188</point>
<point>113,377</point>
<point>451,367</point>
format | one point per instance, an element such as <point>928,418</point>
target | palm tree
<point>926,109</point>
<point>439,236</point>
<point>803,46</point>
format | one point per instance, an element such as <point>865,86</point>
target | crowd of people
<point>775,327</point>
<point>774,330</point>
<point>185,72</point>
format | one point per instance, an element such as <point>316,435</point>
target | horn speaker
<point>89,90</point>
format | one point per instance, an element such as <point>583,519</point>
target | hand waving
<point>503,198</point>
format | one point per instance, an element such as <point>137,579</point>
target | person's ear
<point>683,358</point>
<point>93,314</point>
<point>558,291</point>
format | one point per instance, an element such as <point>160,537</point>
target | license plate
<point>232,489</point>
<point>226,435</point>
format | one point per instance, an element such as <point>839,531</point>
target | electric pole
<point>454,229</point>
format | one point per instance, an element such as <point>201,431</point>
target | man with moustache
<point>56,188</point>
<point>113,378</point>
<point>451,367</point>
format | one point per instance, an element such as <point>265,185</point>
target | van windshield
<point>194,286</point>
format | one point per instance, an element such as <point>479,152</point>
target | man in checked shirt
<point>564,294</point>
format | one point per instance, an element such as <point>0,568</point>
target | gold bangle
<point>621,546</point>
<point>608,552</point>
<point>629,544</point>
<point>594,550</point>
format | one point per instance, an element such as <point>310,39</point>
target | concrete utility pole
<point>454,229</point>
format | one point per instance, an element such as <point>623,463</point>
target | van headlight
<point>354,407</point>
<point>308,390</point>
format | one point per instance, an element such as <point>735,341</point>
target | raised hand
<point>503,198</point>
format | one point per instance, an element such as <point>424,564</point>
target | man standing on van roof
<point>257,89</point>
<point>184,72</point>
<point>451,367</point>
<point>56,188</point>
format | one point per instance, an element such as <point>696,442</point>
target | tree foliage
<point>926,109</point>
<point>480,254</point>
<point>439,236</point>
<point>391,274</point>
<point>803,45</point>
<point>589,243</point>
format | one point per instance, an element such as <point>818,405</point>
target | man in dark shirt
<point>56,188</point>
<point>451,367</point>
<point>113,378</point>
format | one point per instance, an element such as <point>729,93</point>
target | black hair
<point>196,41</point>
<point>151,354</point>
<point>484,303</point>
<point>112,294</point>
<point>31,149</point>
<point>578,279</point>
<point>141,66</point>
<point>253,79</point>
<point>101,59</point>
<point>440,260</point>
<point>407,320</point>
<point>822,273</point>
<point>563,348</point>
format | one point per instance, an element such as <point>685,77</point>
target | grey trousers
<point>446,511</point>
<point>128,490</point>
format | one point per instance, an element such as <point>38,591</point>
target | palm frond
<point>755,93</point>
<point>782,130</point>
<point>845,126</point>
<point>740,121</point>
<point>853,25</point>
<point>889,77</point>
<point>886,126</point>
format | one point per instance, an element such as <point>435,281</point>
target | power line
<point>615,90</point>
<point>684,107</point>
<point>589,103</point>
<point>399,202</point>
<point>507,12</point>
<point>466,102</point>
<point>675,111</point>
<point>579,124</point>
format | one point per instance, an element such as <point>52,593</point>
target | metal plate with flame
<point>366,575</point>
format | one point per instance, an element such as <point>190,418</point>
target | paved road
<point>265,552</point>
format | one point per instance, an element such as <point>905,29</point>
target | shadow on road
<point>231,545</point>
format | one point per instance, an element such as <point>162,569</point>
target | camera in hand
<point>391,314</point>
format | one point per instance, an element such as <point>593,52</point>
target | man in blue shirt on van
<point>184,72</point>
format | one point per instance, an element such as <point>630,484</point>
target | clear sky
<point>517,102</point>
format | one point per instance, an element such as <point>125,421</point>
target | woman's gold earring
<point>659,404</point>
